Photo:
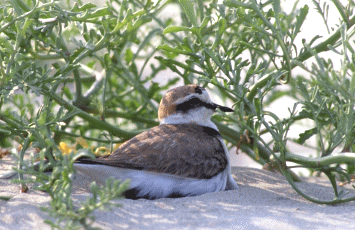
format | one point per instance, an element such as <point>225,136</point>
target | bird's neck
<point>197,117</point>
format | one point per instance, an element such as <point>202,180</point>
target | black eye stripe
<point>193,103</point>
<point>199,90</point>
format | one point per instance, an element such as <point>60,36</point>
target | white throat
<point>200,116</point>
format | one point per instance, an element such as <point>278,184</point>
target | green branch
<point>318,162</point>
<point>17,126</point>
<point>96,86</point>
<point>94,122</point>
<point>234,137</point>
<point>27,14</point>
<point>129,116</point>
<point>337,200</point>
<point>87,137</point>
<point>275,31</point>
<point>323,46</point>
<point>343,15</point>
<point>331,40</point>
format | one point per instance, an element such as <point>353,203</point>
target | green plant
<point>51,91</point>
<point>58,184</point>
<point>70,71</point>
<point>217,38</point>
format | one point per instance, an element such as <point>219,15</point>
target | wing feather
<point>183,150</point>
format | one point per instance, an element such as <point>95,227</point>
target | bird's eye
<point>199,90</point>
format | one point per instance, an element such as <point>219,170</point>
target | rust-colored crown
<point>169,102</point>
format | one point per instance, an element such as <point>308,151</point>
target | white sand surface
<point>264,201</point>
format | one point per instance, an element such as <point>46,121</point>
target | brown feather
<point>184,150</point>
<point>167,105</point>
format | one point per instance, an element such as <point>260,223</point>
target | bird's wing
<point>184,150</point>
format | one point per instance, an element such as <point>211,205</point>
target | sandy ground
<point>264,201</point>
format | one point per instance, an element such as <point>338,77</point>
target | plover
<point>183,156</point>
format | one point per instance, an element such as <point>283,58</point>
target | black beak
<point>222,108</point>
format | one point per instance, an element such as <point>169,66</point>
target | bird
<point>183,156</point>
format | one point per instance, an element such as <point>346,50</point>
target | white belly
<point>158,185</point>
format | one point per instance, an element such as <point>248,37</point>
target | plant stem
<point>20,163</point>
<point>317,162</point>
<point>34,10</point>
<point>130,116</point>
<point>234,137</point>
<point>96,123</point>
<point>87,138</point>
<point>337,200</point>
<point>343,15</point>
<point>323,46</point>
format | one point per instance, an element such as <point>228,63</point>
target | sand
<point>264,201</point>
